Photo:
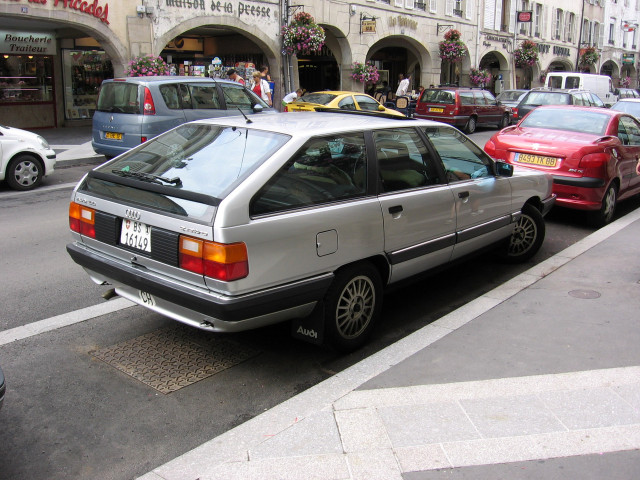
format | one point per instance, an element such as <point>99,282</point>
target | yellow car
<point>340,100</point>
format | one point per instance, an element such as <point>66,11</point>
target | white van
<point>599,84</point>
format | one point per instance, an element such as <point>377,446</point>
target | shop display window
<point>83,73</point>
<point>26,79</point>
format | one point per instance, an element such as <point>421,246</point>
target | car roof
<point>337,92</point>
<point>319,123</point>
<point>629,100</point>
<point>167,79</point>
<point>605,111</point>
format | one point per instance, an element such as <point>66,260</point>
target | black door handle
<point>395,209</point>
<point>463,194</point>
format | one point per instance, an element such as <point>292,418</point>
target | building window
<point>26,79</point>
<point>538,21</point>
<point>525,27</point>
<point>557,29</point>
<point>569,28</point>
<point>612,29</point>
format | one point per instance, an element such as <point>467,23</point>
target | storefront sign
<point>628,58</point>
<point>368,26</point>
<point>544,47</point>
<point>89,7</point>
<point>27,43</point>
<point>239,9</point>
<point>525,17</point>
<point>403,22</point>
<point>561,51</point>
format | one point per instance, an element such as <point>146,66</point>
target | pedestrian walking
<point>260,87</point>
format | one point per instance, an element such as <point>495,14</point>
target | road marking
<point>64,320</point>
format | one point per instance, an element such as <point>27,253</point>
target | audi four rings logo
<point>132,214</point>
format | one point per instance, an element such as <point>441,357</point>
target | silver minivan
<point>132,110</point>
<point>230,224</point>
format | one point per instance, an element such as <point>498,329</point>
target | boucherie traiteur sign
<point>90,7</point>
<point>27,43</point>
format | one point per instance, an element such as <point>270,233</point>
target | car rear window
<point>119,97</point>
<point>190,161</point>
<point>439,96</point>
<point>568,120</point>
<point>320,98</point>
<point>510,96</point>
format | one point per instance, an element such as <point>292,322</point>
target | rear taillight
<point>594,160</point>
<point>515,113</point>
<point>490,148</point>
<point>82,219</point>
<point>143,139</point>
<point>220,261</point>
<point>149,106</point>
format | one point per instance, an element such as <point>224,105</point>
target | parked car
<point>132,110</point>
<point>25,158</point>
<point>462,107</point>
<point>511,98</point>
<point>310,102</point>
<point>600,85</point>
<point>628,105</point>
<point>554,96</point>
<point>627,93</point>
<point>591,152</point>
<point>227,225</point>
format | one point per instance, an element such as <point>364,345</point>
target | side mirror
<point>504,169</point>
<point>257,108</point>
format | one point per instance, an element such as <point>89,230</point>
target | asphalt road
<point>70,414</point>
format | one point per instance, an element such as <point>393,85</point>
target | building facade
<point>55,53</point>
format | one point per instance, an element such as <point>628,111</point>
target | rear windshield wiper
<point>149,177</point>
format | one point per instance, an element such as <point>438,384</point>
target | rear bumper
<point>200,307</point>
<point>455,121</point>
<point>108,150</point>
<point>580,193</point>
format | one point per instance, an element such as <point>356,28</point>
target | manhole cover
<point>172,358</point>
<point>584,294</point>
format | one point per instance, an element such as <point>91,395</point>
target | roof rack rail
<point>362,112</point>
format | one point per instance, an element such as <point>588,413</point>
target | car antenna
<point>245,117</point>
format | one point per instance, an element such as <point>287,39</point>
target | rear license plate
<point>113,135</point>
<point>436,110</point>
<point>136,235</point>
<point>536,160</point>
<point>147,298</point>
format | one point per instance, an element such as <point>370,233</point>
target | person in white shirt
<point>290,97</point>
<point>261,87</point>
<point>403,86</point>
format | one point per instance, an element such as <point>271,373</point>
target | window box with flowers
<point>479,78</point>
<point>147,66</point>
<point>302,35</point>
<point>452,49</point>
<point>589,57</point>
<point>526,55</point>
<point>365,72</point>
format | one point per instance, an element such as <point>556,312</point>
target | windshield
<point>321,98</point>
<point>546,98</point>
<point>510,96</point>
<point>121,97</point>
<point>191,160</point>
<point>568,120</point>
<point>628,107</point>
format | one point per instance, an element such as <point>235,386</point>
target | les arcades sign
<point>90,7</point>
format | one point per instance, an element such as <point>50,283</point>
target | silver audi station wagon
<point>235,223</point>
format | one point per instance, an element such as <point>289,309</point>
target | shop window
<point>26,79</point>
<point>83,73</point>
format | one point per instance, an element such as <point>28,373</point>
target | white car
<point>25,158</point>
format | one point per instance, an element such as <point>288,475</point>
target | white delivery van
<point>599,84</point>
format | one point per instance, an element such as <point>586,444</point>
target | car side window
<point>185,96</point>
<point>204,97</point>
<point>632,131</point>
<point>324,170</point>
<point>367,103</point>
<point>171,96</point>
<point>404,161</point>
<point>236,96</point>
<point>462,159</point>
<point>490,99</point>
<point>479,98</point>
<point>347,103</point>
<point>466,98</point>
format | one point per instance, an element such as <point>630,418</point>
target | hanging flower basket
<point>543,75</point>
<point>147,66</point>
<point>452,49</point>
<point>479,78</point>
<point>365,72</point>
<point>526,54</point>
<point>589,57</point>
<point>625,82</point>
<point>302,35</point>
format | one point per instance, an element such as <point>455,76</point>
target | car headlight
<point>43,142</point>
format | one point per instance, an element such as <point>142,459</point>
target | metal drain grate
<point>172,358</point>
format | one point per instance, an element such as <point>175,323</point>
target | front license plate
<point>113,135</point>
<point>437,110</point>
<point>136,235</point>
<point>536,160</point>
<point>147,298</point>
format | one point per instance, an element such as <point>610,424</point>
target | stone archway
<point>611,68</point>
<point>497,64</point>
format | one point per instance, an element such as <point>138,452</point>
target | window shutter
<point>512,17</point>
<point>448,9</point>
<point>433,6</point>
<point>469,10</point>
<point>409,4</point>
<point>399,3</point>
<point>489,14</point>
<point>498,17</point>
<point>600,34</point>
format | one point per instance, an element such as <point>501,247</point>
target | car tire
<point>504,121</point>
<point>352,306</point>
<point>604,214</point>
<point>24,172</point>
<point>470,127</point>
<point>527,237</point>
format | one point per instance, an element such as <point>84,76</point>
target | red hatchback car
<point>592,154</point>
